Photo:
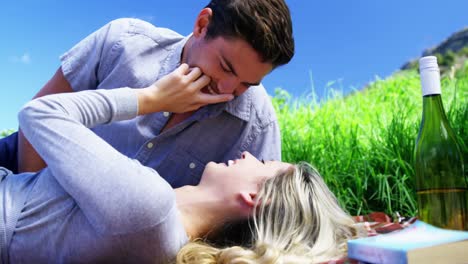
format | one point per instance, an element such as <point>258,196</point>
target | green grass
<point>363,143</point>
<point>6,132</point>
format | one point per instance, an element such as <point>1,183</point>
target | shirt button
<point>192,165</point>
<point>166,114</point>
<point>149,145</point>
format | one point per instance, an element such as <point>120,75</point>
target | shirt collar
<point>241,105</point>
<point>172,61</point>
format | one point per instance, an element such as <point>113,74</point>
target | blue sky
<point>346,43</point>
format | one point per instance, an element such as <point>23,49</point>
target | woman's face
<point>245,174</point>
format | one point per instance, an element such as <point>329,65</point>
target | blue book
<point>417,243</point>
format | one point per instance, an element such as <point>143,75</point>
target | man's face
<point>232,64</point>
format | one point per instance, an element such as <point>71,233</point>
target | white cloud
<point>24,59</point>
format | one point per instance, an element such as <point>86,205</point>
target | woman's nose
<point>245,155</point>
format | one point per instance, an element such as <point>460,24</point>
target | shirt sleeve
<point>117,194</point>
<point>90,60</point>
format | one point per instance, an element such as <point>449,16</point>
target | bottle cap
<point>430,75</point>
<point>429,63</point>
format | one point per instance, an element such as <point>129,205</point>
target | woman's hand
<point>178,92</point>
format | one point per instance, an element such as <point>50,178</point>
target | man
<point>234,42</point>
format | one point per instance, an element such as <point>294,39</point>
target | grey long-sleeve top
<point>91,204</point>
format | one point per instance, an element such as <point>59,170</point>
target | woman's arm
<point>115,192</point>
<point>107,186</point>
<point>28,159</point>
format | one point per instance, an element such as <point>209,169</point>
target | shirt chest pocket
<point>181,168</point>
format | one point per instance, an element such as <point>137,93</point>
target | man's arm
<point>28,159</point>
<point>81,66</point>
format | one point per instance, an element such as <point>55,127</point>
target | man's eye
<point>225,69</point>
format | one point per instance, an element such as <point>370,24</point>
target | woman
<point>300,223</point>
<point>92,204</point>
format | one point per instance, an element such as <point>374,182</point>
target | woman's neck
<point>202,210</point>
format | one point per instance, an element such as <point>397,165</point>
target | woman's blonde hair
<point>298,220</point>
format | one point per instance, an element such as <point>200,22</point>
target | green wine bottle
<point>441,187</point>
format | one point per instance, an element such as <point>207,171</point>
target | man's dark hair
<point>264,24</point>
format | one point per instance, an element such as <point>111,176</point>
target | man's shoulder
<point>136,26</point>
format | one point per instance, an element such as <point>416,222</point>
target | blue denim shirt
<point>133,53</point>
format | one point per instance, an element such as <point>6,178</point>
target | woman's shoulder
<point>160,242</point>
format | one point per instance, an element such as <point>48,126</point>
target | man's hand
<point>178,92</point>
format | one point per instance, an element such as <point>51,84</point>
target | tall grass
<point>363,143</point>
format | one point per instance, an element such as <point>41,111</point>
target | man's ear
<point>248,199</point>
<point>202,22</point>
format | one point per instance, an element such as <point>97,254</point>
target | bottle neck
<point>432,100</point>
<point>433,107</point>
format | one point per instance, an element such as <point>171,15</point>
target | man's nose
<point>228,85</point>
